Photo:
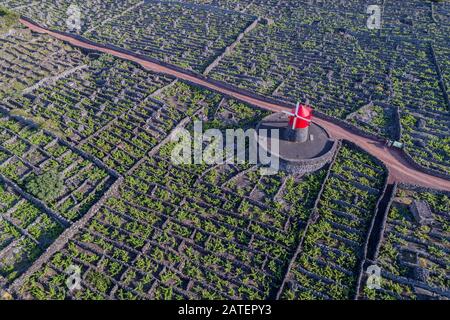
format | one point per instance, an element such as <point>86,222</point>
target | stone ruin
<point>421,212</point>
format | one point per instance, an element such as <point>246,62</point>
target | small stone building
<point>421,212</point>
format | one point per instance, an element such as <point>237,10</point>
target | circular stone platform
<point>297,157</point>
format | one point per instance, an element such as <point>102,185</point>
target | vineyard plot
<point>25,232</point>
<point>186,35</point>
<point>414,254</point>
<point>159,239</point>
<point>82,103</point>
<point>316,54</point>
<point>27,152</point>
<point>55,14</point>
<point>423,110</point>
<point>187,231</point>
<point>333,248</point>
<point>27,58</point>
<point>127,139</point>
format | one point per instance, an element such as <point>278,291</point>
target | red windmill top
<point>300,117</point>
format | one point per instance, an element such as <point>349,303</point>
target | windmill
<point>300,120</point>
<point>300,144</point>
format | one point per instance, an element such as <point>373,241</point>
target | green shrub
<point>47,186</point>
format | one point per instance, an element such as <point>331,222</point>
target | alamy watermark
<point>213,147</point>
<point>374,277</point>
<point>374,20</point>
<point>73,20</point>
<point>73,282</point>
<point>374,10</point>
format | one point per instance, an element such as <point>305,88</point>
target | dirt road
<point>400,169</point>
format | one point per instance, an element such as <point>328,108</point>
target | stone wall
<point>376,210</point>
<point>309,165</point>
<point>421,189</point>
<point>420,167</point>
<point>231,47</point>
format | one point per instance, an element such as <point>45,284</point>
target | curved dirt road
<point>400,169</point>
